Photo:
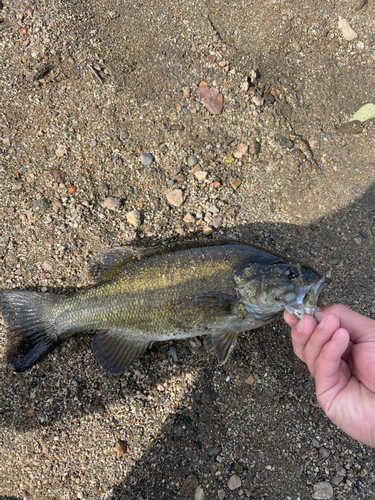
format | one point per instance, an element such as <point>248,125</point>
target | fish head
<point>268,289</point>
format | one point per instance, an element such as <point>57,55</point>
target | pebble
<point>121,448</point>
<point>297,46</point>
<point>192,160</point>
<point>200,175</point>
<point>110,202</point>
<point>250,380</point>
<point>335,480</point>
<point>134,218</point>
<point>323,453</point>
<point>235,183</point>
<point>215,451</point>
<point>241,150</point>
<point>188,486</point>
<point>315,443</point>
<point>207,231</point>
<point>358,241</point>
<point>372,217</point>
<point>124,135</point>
<point>40,205</point>
<point>341,471</point>
<point>254,147</point>
<point>189,218</point>
<point>213,209</point>
<point>186,92</point>
<point>61,150</point>
<point>351,128</point>
<point>322,491</point>
<point>347,32</point>
<point>173,353</point>
<point>221,494</point>
<point>210,98</point>
<point>57,206</point>
<point>208,396</point>
<point>217,222</point>
<point>258,100</point>
<point>93,143</point>
<point>245,85</point>
<point>175,197</point>
<point>284,142</point>
<point>199,493</point>
<point>47,266</point>
<point>59,176</point>
<point>234,482</point>
<point>146,158</point>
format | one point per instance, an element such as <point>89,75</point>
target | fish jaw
<point>307,297</point>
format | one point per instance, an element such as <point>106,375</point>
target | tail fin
<point>30,324</point>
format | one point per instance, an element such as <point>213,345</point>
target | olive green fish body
<point>216,290</point>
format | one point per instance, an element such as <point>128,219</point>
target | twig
<point>95,73</point>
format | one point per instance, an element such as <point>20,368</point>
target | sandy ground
<point>86,87</point>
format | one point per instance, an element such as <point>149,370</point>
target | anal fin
<point>222,343</point>
<point>115,352</point>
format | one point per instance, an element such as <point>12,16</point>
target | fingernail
<point>300,325</point>
<point>322,323</point>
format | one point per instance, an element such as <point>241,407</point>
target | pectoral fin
<point>116,353</point>
<point>222,343</point>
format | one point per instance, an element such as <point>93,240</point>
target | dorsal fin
<point>109,263</point>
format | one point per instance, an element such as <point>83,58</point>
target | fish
<point>140,296</point>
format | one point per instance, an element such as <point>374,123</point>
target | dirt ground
<point>86,87</point>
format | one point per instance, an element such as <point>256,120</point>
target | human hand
<point>340,355</point>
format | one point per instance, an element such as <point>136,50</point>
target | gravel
<point>306,196</point>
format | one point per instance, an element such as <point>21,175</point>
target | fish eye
<point>292,273</point>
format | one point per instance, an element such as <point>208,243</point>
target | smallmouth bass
<point>217,289</point>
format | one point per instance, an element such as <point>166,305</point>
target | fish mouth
<point>307,297</point>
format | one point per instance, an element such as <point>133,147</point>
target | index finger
<point>359,327</point>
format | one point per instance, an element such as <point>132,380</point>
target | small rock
<point>341,471</point>
<point>134,218</point>
<point>175,197</point>
<point>358,241</point>
<point>180,178</point>
<point>217,222</point>
<point>215,451</point>
<point>93,143</point>
<point>351,128</point>
<point>61,150</point>
<point>188,486</point>
<point>315,443</point>
<point>124,135</point>
<point>146,158</point>
<point>47,266</point>
<point>323,453</point>
<point>57,206</point>
<point>215,184</point>
<point>234,482</point>
<point>213,209</point>
<point>189,218</point>
<point>322,491</point>
<point>121,448</point>
<point>59,176</point>
<point>110,202</point>
<point>268,98</point>
<point>233,211</point>
<point>297,46</point>
<point>160,387</point>
<point>258,100</point>
<point>186,92</point>
<point>173,353</point>
<point>335,480</point>
<point>347,32</point>
<point>6,142</point>
<point>254,147</point>
<point>210,98</point>
<point>192,160</point>
<point>284,142</point>
<point>372,217</point>
<point>358,4</point>
<point>207,231</point>
<point>181,231</point>
<point>40,205</point>
<point>199,493</point>
<point>221,494</point>
<point>235,183</point>
<point>241,150</point>
<point>200,175</point>
<point>250,380</point>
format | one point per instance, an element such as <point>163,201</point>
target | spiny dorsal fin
<point>222,344</point>
<point>115,352</point>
